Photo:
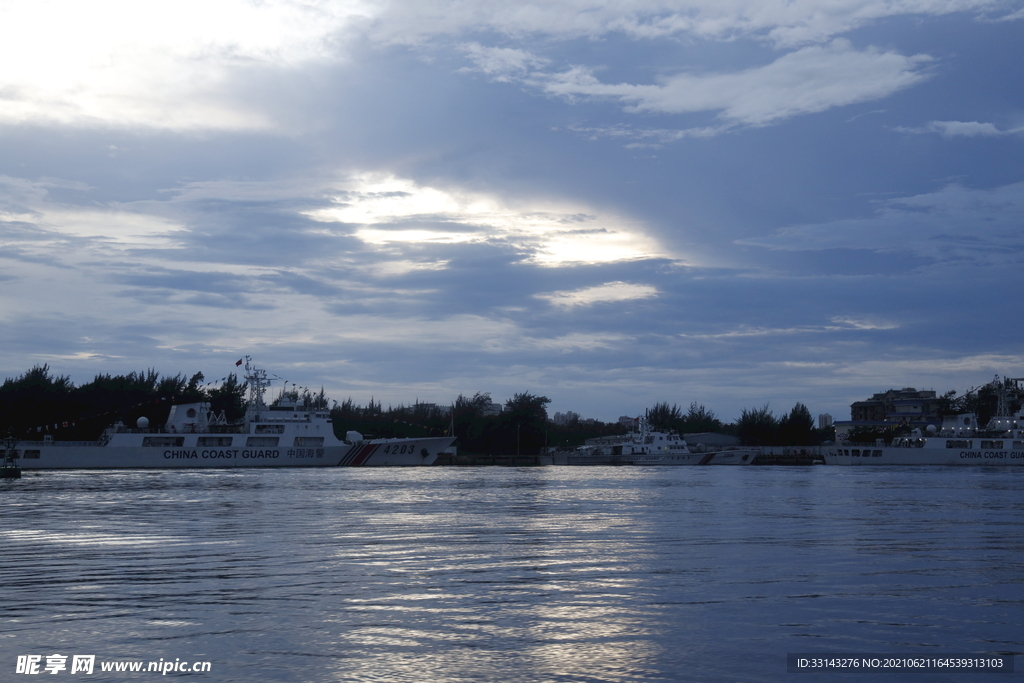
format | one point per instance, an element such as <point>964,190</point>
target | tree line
<point>755,426</point>
<point>522,427</point>
<point>40,402</point>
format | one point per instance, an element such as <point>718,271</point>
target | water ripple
<point>531,574</point>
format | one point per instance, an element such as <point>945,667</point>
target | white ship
<point>959,441</point>
<point>285,435</point>
<point>647,447</point>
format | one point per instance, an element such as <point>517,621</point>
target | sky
<point>612,204</point>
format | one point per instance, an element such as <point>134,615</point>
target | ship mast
<point>1002,410</point>
<point>258,382</point>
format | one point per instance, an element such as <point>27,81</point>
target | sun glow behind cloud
<point>392,210</point>
<point>151,64</point>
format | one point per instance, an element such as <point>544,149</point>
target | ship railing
<point>36,444</point>
<point>994,434</point>
<point>158,430</point>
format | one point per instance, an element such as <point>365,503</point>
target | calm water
<point>512,574</point>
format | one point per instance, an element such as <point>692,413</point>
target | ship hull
<point>374,453</point>
<point>734,457</point>
<point>934,452</point>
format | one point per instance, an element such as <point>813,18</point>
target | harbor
<point>578,341</point>
<point>248,424</point>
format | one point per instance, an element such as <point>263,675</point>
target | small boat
<point>648,447</point>
<point>289,434</point>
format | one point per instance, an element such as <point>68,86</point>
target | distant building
<point>629,422</point>
<point>824,421</point>
<point>906,406</point>
<point>490,408</point>
<point>565,418</point>
<point>431,408</point>
<point>902,406</point>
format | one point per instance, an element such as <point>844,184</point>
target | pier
<point>790,455</point>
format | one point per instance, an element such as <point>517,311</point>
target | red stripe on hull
<point>364,454</point>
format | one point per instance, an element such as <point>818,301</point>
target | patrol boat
<point>289,434</point>
<point>647,447</point>
<point>959,441</point>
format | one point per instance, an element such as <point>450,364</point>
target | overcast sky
<point>734,202</point>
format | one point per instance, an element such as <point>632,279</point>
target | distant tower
<point>824,421</point>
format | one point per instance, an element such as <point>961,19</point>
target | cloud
<point>201,65</point>
<point>782,22</point>
<point>34,228</point>
<point>644,137</point>
<point>840,324</point>
<point>481,252</point>
<point>158,65</point>
<point>1010,16</point>
<point>375,243</point>
<point>805,81</point>
<point>970,129</point>
<point>246,271</point>
<point>868,323</point>
<point>342,245</point>
<point>608,292</point>
<point>501,62</point>
<point>953,224</point>
<point>384,210</point>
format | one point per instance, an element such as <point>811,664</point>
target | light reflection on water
<point>529,574</point>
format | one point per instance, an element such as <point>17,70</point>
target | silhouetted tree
<point>34,399</point>
<point>524,423</point>
<point>670,418</point>
<point>471,426</point>
<point>797,428</point>
<point>700,419</point>
<point>576,431</point>
<point>229,397</point>
<point>757,427</point>
<point>948,403</point>
<point>665,417</point>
